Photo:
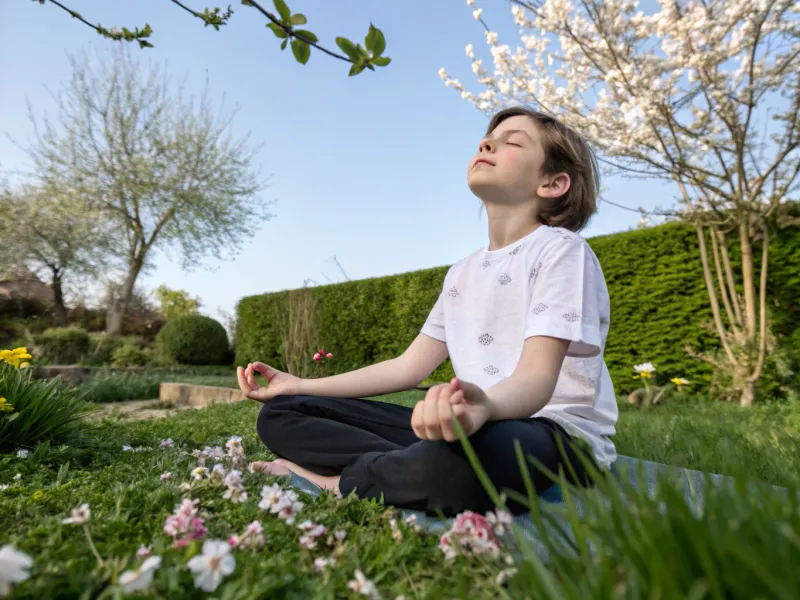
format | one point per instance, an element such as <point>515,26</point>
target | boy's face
<point>507,167</point>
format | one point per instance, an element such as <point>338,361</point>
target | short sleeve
<point>434,325</point>
<point>565,297</point>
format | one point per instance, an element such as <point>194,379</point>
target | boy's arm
<point>395,375</point>
<point>532,383</point>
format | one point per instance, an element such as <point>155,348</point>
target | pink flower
<point>182,543</point>
<point>233,541</point>
<point>471,534</point>
<point>329,355</point>
<point>255,528</point>
<point>318,531</point>
<point>308,542</point>
<point>339,534</point>
<point>165,475</point>
<point>143,551</point>
<point>320,564</point>
<point>317,356</point>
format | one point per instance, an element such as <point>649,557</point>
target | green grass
<point>762,442</point>
<point>745,544</point>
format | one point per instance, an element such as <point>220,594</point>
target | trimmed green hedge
<point>658,305</point>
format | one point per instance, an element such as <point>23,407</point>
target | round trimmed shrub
<point>63,345</point>
<point>193,340</point>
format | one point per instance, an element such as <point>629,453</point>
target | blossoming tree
<point>56,234</point>
<point>705,94</point>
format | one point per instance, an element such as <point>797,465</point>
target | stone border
<point>187,394</point>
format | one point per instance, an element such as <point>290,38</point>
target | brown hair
<point>565,151</point>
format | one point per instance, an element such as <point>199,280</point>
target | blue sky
<point>371,169</point>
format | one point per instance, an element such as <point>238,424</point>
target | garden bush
<point>41,411</point>
<point>659,304</point>
<point>103,347</point>
<point>193,340</point>
<point>131,355</point>
<point>62,345</point>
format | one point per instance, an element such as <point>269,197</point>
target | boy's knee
<point>268,424</point>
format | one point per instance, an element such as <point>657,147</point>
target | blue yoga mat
<point>638,472</point>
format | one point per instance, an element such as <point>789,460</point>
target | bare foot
<point>281,466</point>
<point>269,467</point>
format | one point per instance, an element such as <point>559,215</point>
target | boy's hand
<point>279,383</point>
<point>432,418</point>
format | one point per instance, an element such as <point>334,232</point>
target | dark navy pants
<point>372,446</point>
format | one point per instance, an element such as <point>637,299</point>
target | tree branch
<point>137,35</point>
<point>290,32</point>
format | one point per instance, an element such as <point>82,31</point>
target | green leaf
<point>12,417</point>
<point>247,3</point>
<point>283,45</point>
<point>357,68</point>
<point>283,11</point>
<point>348,47</point>
<point>301,51</point>
<point>306,35</point>
<point>145,44</point>
<point>381,61</point>
<point>298,19</point>
<point>278,31</point>
<point>375,42</point>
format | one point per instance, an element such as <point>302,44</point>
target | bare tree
<point>166,169</point>
<point>54,233</point>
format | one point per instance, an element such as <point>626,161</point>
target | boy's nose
<point>486,146</point>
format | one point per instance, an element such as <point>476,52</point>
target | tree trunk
<point>118,307</point>
<point>748,394</point>
<point>58,300</point>
<point>748,280</point>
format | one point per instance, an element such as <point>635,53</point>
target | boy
<point>524,322</point>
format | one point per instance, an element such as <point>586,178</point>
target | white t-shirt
<point>548,283</point>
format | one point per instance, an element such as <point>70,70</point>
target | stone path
<point>173,398</point>
<point>139,410</point>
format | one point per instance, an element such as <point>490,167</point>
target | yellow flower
<point>16,357</point>
<point>37,494</point>
<point>679,381</point>
<point>5,406</point>
<point>25,365</point>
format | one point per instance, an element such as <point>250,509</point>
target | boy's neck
<point>507,225</point>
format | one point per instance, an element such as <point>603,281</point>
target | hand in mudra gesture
<point>278,382</point>
<point>433,418</point>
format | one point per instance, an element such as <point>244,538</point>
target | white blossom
<point>215,562</point>
<point>14,566</point>
<point>141,578</point>
<point>362,585</point>
<point>80,515</point>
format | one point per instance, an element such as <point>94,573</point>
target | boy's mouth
<point>483,161</point>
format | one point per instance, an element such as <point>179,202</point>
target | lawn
<point>637,546</point>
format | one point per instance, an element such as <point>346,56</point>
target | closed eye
<point>513,144</point>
